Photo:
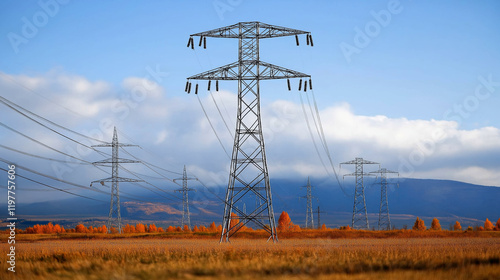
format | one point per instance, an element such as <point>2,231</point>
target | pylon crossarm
<point>117,179</point>
<point>111,161</point>
<point>119,145</point>
<point>267,71</point>
<point>248,31</point>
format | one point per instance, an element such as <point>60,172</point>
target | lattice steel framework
<point>309,210</point>
<point>359,213</point>
<point>248,167</point>
<point>384,221</point>
<point>114,218</point>
<point>319,220</point>
<point>186,217</point>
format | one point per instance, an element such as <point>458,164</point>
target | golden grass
<point>167,258</point>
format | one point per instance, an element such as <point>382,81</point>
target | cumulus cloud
<point>173,131</point>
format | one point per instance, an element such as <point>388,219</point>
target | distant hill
<point>447,200</point>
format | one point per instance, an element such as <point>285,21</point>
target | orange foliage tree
<point>284,222</point>
<point>140,228</point>
<point>128,229</point>
<point>488,225</point>
<point>80,228</point>
<point>457,226</point>
<point>419,224</point>
<point>435,224</point>
<point>497,225</point>
<point>213,227</point>
<point>152,228</point>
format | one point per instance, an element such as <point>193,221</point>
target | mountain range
<point>449,201</point>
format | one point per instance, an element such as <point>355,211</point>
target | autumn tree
<point>497,225</point>
<point>195,229</point>
<point>419,224</point>
<point>152,228</point>
<point>186,228</point>
<point>103,229</point>
<point>457,226</point>
<point>170,229</point>
<point>234,220</point>
<point>213,227</point>
<point>488,225</point>
<point>128,229</point>
<point>435,225</point>
<point>284,222</point>
<point>140,228</point>
<point>323,227</point>
<point>80,228</point>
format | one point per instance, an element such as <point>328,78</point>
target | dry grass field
<point>177,258</point>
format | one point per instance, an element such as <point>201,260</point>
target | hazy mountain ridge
<point>447,200</point>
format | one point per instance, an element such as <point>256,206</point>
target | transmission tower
<point>359,213</point>
<point>384,221</point>
<point>309,210</point>
<point>114,218</point>
<point>248,167</point>
<point>319,220</point>
<point>186,217</point>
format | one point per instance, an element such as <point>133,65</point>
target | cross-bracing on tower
<point>114,218</point>
<point>248,167</point>
<point>384,221</point>
<point>359,213</point>
<point>309,210</point>
<point>186,217</point>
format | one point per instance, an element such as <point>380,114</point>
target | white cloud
<point>175,131</point>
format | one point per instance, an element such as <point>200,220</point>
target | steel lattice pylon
<point>248,167</point>
<point>359,212</point>
<point>384,221</point>
<point>114,218</point>
<point>186,219</point>
<point>309,211</point>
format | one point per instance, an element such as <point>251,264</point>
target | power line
<point>40,157</point>
<point>62,190</point>
<point>12,104</point>
<point>32,91</point>
<point>213,128</point>
<point>38,142</point>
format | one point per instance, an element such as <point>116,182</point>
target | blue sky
<point>417,72</point>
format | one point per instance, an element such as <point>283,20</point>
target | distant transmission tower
<point>384,221</point>
<point>359,212</point>
<point>248,164</point>
<point>309,211</point>
<point>319,220</point>
<point>114,218</point>
<point>186,217</point>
